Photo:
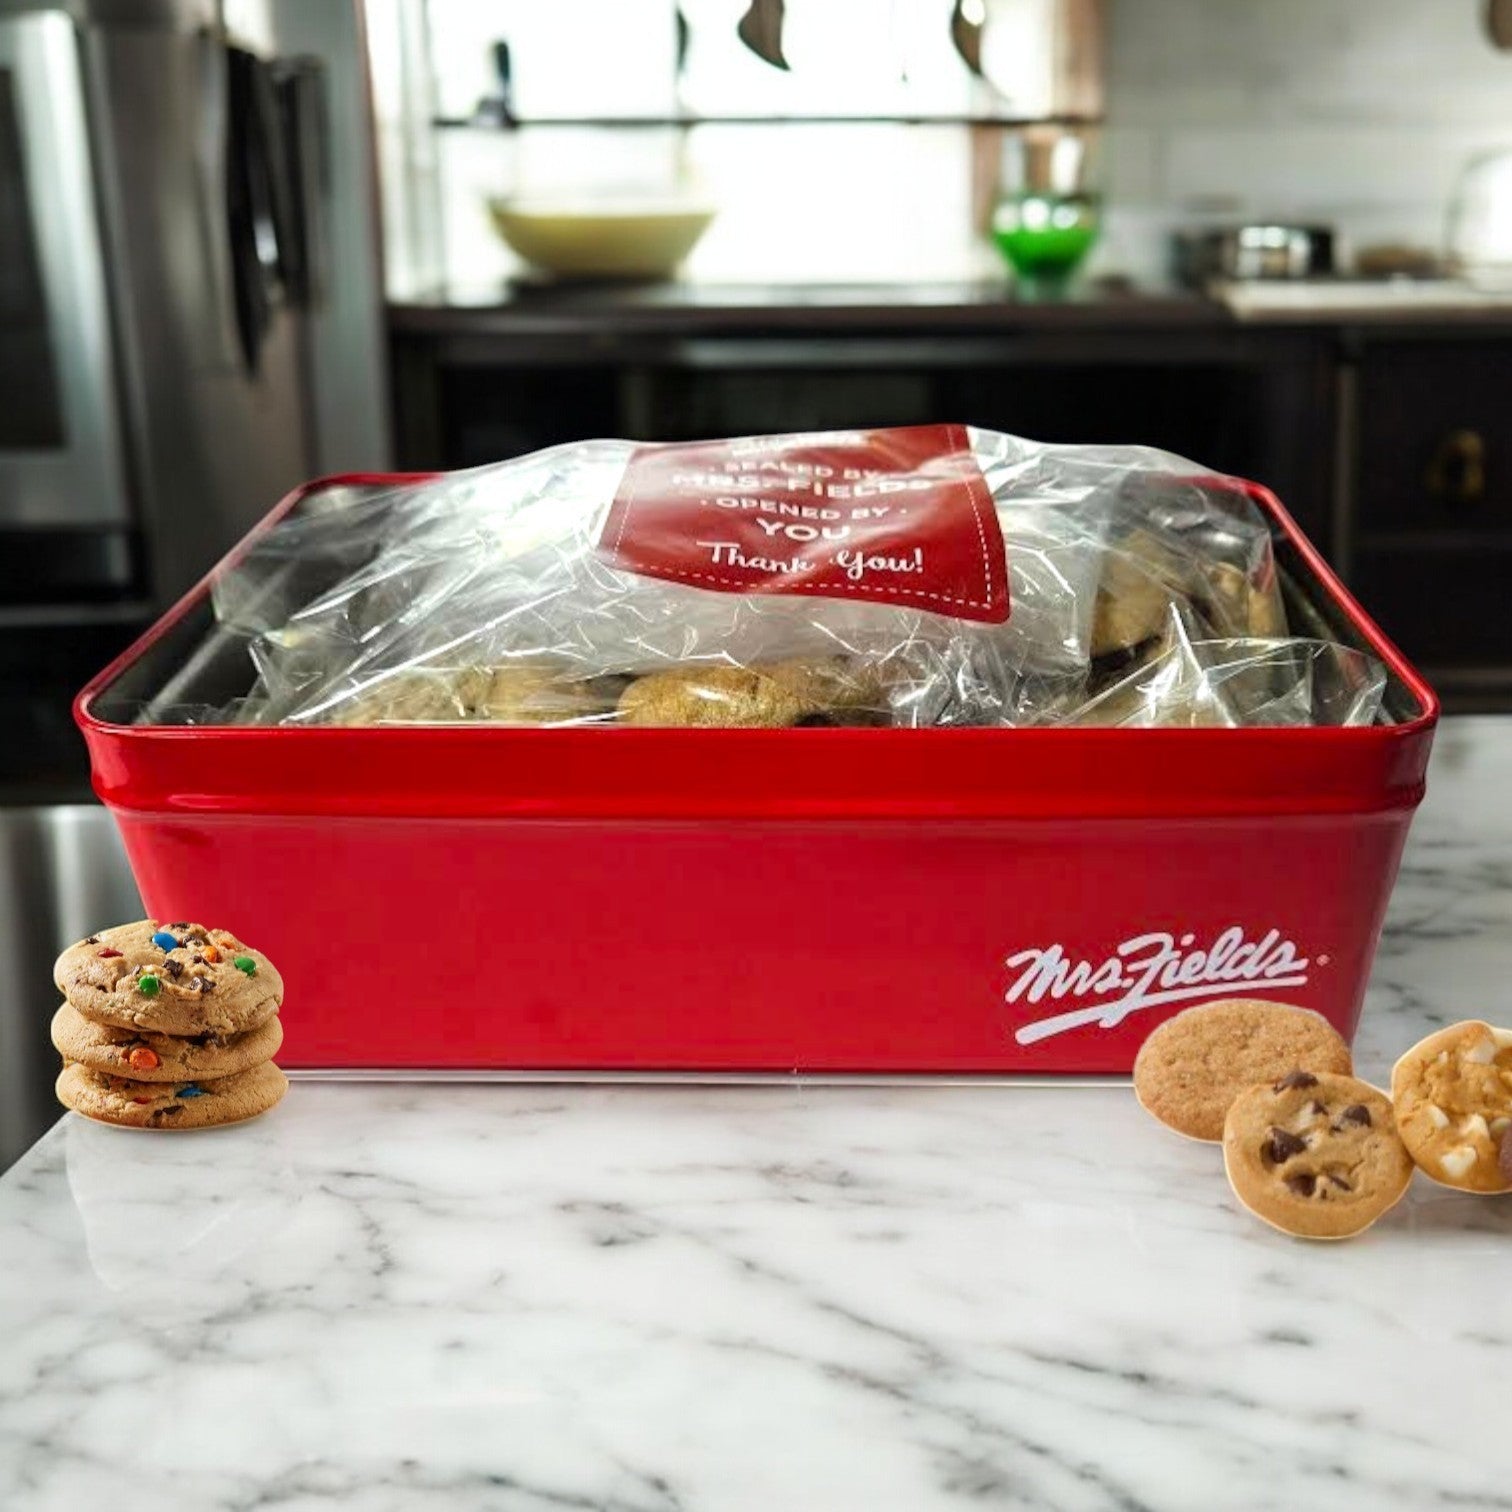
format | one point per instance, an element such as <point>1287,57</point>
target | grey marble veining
<point>696,1299</point>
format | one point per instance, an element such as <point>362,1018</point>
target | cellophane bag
<point>928,576</point>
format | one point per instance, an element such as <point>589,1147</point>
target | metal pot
<point>1260,251</point>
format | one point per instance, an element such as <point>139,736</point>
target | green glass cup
<point>1049,208</point>
<point>1045,238</point>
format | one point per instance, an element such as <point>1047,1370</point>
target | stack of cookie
<point>168,1026</point>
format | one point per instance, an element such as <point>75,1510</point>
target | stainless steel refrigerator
<point>190,296</point>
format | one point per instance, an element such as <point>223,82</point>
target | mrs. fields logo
<point>1146,972</point>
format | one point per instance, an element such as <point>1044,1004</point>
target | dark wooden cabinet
<point>1424,526</point>
<point>1445,603</point>
<point>1255,403</point>
<point>1435,428</point>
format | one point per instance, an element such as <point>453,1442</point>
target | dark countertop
<point>693,309</point>
<point>985,307</point>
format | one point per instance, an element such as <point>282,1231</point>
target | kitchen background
<point>249,242</point>
<point>1356,114</point>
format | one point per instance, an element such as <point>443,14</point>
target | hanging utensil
<point>968,19</point>
<point>761,30</point>
<point>503,62</point>
<point>1499,23</point>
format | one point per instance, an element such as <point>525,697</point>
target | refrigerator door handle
<point>210,192</point>
<point>301,84</point>
<point>272,164</point>
<point>261,203</point>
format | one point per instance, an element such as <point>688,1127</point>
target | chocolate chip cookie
<point>1315,1156</point>
<point>1190,1070</point>
<point>177,978</point>
<point>1453,1097</point>
<point>143,1056</point>
<point>171,1105</point>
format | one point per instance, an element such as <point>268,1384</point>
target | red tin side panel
<point>818,946</point>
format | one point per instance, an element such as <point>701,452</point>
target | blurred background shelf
<point>505,123</point>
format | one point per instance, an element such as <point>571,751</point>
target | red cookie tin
<point>477,898</point>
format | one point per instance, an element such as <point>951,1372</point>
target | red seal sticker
<point>901,517</point>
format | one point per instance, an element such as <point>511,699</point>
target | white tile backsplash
<point>1201,61</point>
<point>1361,113</point>
<point>1314,171</point>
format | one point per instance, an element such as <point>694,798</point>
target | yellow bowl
<point>588,241</point>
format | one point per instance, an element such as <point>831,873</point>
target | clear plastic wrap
<point>1140,592</point>
<point>1237,682</point>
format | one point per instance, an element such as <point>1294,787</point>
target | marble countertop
<point>704,1299</point>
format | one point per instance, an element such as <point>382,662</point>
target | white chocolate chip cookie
<point>1453,1098</point>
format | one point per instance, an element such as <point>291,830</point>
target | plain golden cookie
<point>149,1057</point>
<point>774,695</point>
<point>833,690</point>
<point>1140,582</point>
<point>1193,1066</point>
<point>1315,1156</point>
<point>712,697</point>
<point>171,1105</point>
<point>1453,1099</point>
<point>180,979</point>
